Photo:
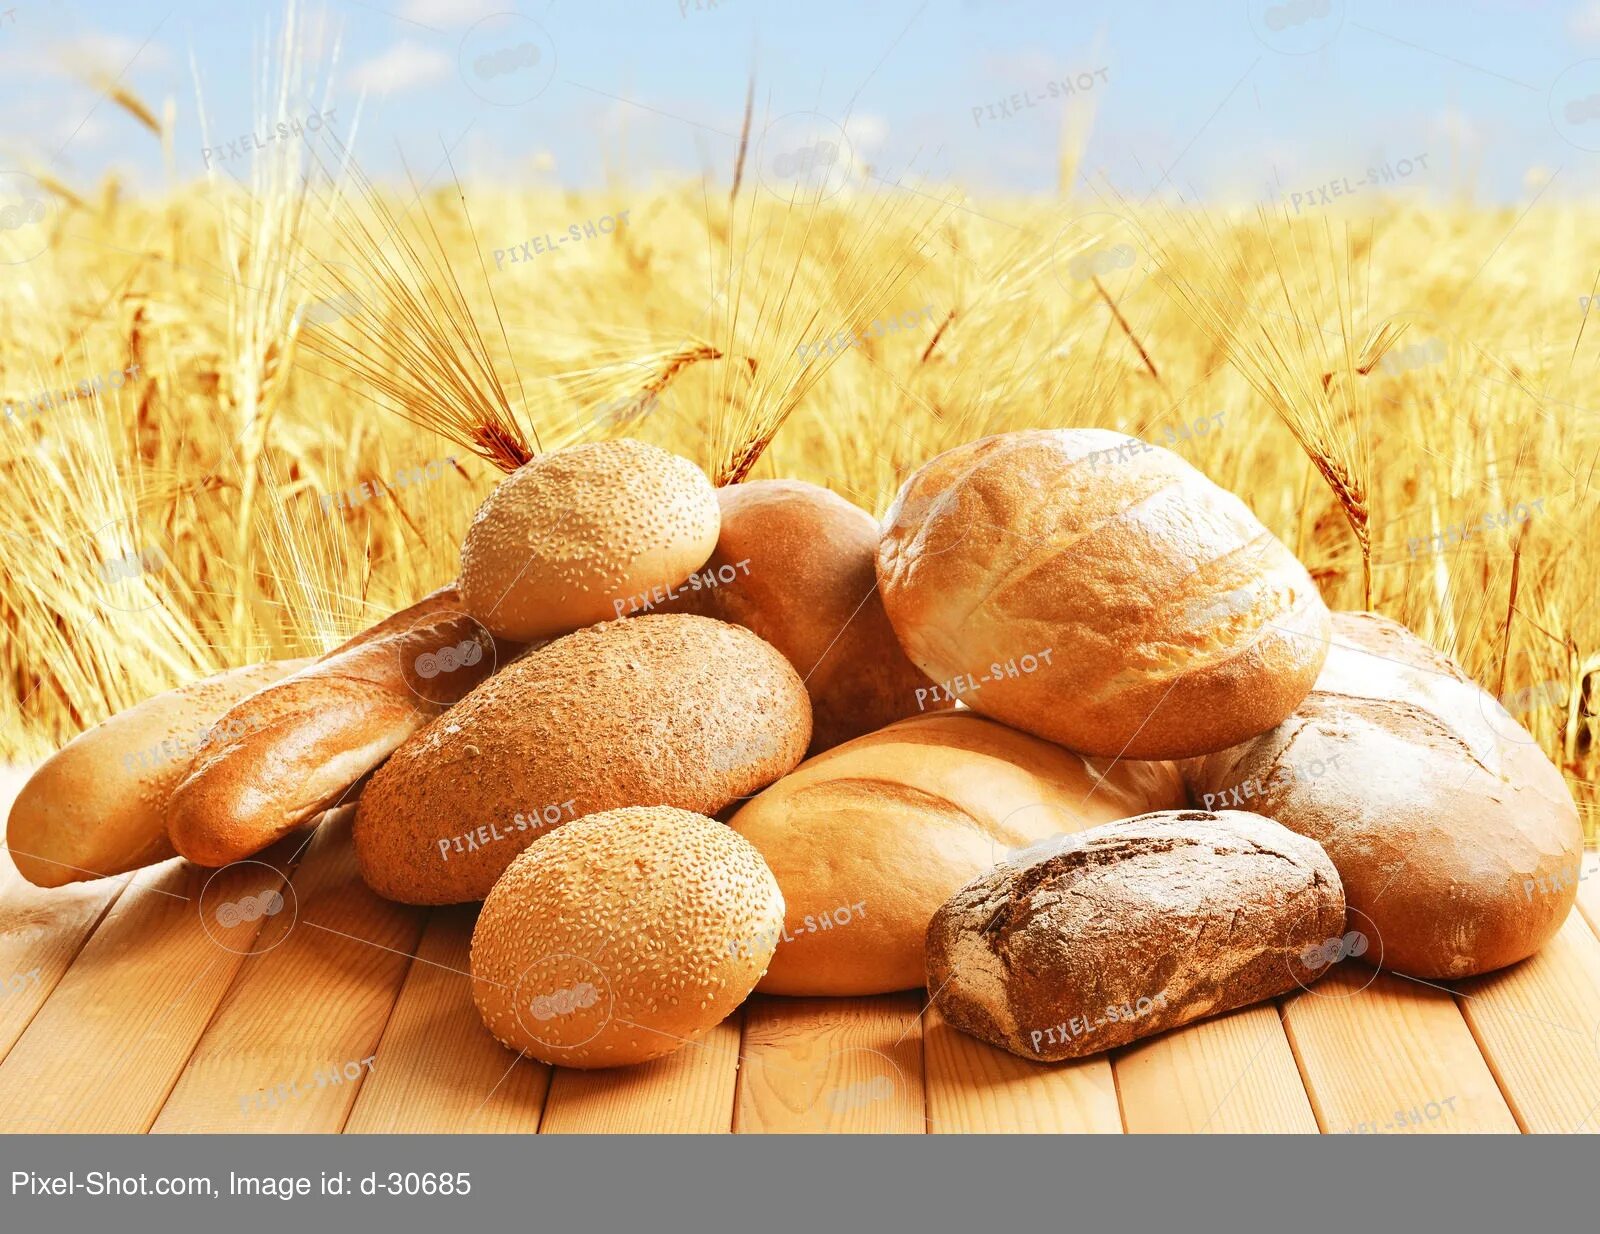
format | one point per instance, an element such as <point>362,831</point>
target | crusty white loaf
<point>97,806</point>
<point>868,839</point>
<point>1457,839</point>
<point>1098,592</point>
<point>1132,928</point>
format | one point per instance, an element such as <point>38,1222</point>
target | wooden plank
<point>474,1084</point>
<point>1368,1051</point>
<point>42,929</point>
<point>1538,1025</point>
<point>690,1090</point>
<point>819,1065</point>
<point>41,932</point>
<point>105,1049</point>
<point>974,1087</point>
<point>1231,1073</point>
<point>1589,889</point>
<point>298,1031</point>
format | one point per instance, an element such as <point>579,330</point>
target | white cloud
<point>1023,67</point>
<point>866,132</point>
<point>449,12</point>
<point>1454,127</point>
<point>407,65</point>
<point>113,53</point>
<point>1584,21</point>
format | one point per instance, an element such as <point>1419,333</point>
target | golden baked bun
<point>1101,594</point>
<point>795,564</point>
<point>623,937</point>
<point>869,839</point>
<point>572,537</point>
<point>669,709</point>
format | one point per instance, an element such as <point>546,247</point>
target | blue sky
<point>1222,101</point>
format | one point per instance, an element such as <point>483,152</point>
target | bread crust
<point>569,537</point>
<point>288,752</point>
<point>1132,928</point>
<point>96,807</point>
<point>1163,620</point>
<point>666,709</point>
<point>885,827</point>
<point>795,563</point>
<point>1457,839</point>
<point>623,937</point>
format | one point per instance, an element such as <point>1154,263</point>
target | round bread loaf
<point>97,806</point>
<point>568,537</point>
<point>1457,839</point>
<point>1133,928</point>
<point>1099,592</point>
<point>870,838</point>
<point>795,563</point>
<point>623,936</point>
<point>668,709</point>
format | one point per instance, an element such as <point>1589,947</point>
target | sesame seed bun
<point>794,563</point>
<point>568,537</point>
<point>623,937</point>
<point>668,709</point>
<point>1099,592</point>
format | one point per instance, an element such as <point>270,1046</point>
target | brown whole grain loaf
<point>667,709</point>
<point>1457,839</point>
<point>1132,928</point>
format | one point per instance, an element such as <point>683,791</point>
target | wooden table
<point>353,1014</point>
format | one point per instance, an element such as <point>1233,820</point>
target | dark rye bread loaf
<point>1131,928</point>
<point>1456,839</point>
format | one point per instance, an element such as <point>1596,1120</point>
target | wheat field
<point>1400,396</point>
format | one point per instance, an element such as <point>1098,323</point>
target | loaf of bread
<point>623,937</point>
<point>1457,839</point>
<point>569,536</point>
<point>665,709</point>
<point>1132,928</point>
<point>96,806</point>
<point>1099,592</point>
<point>287,753</point>
<point>794,563</point>
<point>870,838</point>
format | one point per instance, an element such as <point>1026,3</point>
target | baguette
<point>96,806</point>
<point>289,752</point>
<point>1457,839</point>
